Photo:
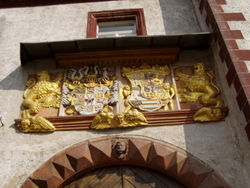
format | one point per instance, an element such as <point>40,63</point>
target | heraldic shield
<point>88,89</point>
<point>149,92</point>
<point>90,100</point>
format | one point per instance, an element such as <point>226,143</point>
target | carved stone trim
<point>68,165</point>
<point>120,148</point>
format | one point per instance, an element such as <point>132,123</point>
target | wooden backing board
<point>126,57</point>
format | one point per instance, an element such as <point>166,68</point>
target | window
<point>128,22</point>
<point>116,28</point>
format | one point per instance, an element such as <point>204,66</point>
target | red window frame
<point>116,15</point>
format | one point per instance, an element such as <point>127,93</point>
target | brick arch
<point>81,158</point>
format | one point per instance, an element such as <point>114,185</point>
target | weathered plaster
<point>179,17</point>
<point>236,121</point>
<point>218,144</point>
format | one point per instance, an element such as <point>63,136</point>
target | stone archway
<point>81,158</point>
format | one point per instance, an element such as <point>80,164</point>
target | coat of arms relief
<point>149,89</point>
<point>85,91</point>
<point>121,96</point>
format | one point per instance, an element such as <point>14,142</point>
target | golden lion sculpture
<point>43,93</point>
<point>201,88</point>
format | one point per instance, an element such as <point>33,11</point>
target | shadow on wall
<point>13,81</point>
<point>17,78</point>
<point>179,17</point>
<point>210,142</point>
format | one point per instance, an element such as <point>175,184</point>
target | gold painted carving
<point>208,114</point>
<point>126,92</point>
<point>130,118</point>
<point>148,91</point>
<point>170,93</point>
<point>145,67</point>
<point>95,90</point>
<point>90,91</point>
<point>36,124</point>
<point>106,119</point>
<point>43,93</point>
<point>201,88</point>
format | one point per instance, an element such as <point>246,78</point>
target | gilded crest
<point>149,92</point>
<point>88,89</point>
<point>91,97</point>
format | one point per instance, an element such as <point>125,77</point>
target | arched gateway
<point>77,160</point>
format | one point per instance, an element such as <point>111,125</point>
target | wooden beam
<point>123,57</point>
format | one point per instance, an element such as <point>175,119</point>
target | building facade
<point>222,146</point>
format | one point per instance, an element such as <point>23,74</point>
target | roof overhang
<point>43,50</point>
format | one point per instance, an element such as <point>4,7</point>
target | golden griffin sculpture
<point>201,88</point>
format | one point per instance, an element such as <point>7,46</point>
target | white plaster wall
<point>21,154</point>
<point>68,22</point>
<point>242,6</point>
<point>235,121</point>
